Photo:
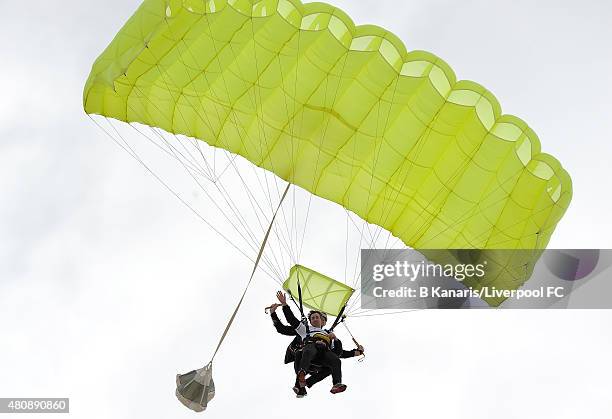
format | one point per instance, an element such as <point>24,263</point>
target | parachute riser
<point>353,338</point>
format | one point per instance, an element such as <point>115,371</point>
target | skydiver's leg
<point>296,366</point>
<point>318,376</point>
<point>331,360</point>
<point>308,353</point>
<point>297,389</point>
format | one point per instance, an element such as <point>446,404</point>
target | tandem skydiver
<point>314,350</point>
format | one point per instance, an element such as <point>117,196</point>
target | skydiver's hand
<point>281,297</point>
<point>332,336</point>
<point>359,351</point>
<point>273,307</point>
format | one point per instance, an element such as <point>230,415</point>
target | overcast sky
<point>109,286</point>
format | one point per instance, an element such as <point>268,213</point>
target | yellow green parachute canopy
<point>319,292</point>
<point>345,112</point>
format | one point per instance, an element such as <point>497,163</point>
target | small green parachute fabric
<point>319,292</point>
<point>343,111</point>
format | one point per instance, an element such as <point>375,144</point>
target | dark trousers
<point>313,378</point>
<point>323,356</point>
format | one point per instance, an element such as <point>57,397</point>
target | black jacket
<point>296,343</point>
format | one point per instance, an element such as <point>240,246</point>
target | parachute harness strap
<point>304,319</point>
<point>261,249</point>
<point>339,318</point>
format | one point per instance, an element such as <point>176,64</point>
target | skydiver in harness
<point>294,351</point>
<point>318,343</point>
<point>322,349</point>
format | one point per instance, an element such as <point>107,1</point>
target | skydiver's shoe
<point>338,388</point>
<point>301,376</point>
<point>300,392</point>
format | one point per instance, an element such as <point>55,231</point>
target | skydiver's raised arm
<point>281,328</point>
<point>289,316</point>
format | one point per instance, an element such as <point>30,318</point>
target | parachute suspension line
<point>232,113</point>
<point>349,332</point>
<point>205,171</point>
<point>253,202</point>
<point>227,166</point>
<point>353,337</point>
<point>261,250</point>
<point>353,306</point>
<point>350,306</point>
<point>126,147</point>
<point>282,235</point>
<point>294,224</point>
<point>354,298</point>
<point>346,249</point>
<point>242,221</point>
<point>253,241</point>
<point>236,214</point>
<point>188,152</point>
<point>258,104</point>
<point>256,209</point>
<point>273,265</point>
<point>220,187</point>
<point>356,267</point>
<point>196,144</point>
<point>182,162</point>
<point>365,290</point>
<point>193,167</point>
